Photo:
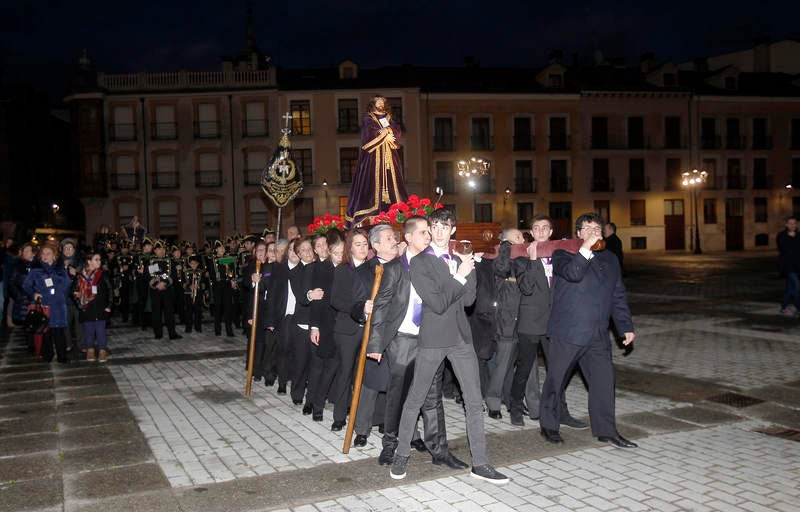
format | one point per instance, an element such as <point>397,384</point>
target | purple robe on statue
<point>378,182</point>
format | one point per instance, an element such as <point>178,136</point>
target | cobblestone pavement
<point>711,393</point>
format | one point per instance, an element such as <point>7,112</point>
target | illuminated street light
<point>473,167</point>
<point>694,181</point>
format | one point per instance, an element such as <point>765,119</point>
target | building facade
<point>185,151</point>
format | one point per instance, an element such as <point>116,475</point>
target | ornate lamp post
<point>472,170</point>
<point>693,181</point>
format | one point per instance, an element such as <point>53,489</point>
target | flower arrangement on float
<point>400,211</point>
<point>325,223</point>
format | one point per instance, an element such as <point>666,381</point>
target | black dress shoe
<point>361,440</point>
<point>316,416</point>
<point>569,421</point>
<point>552,436</point>
<point>175,336</point>
<point>618,441</point>
<point>297,402</point>
<point>387,456</point>
<point>451,461</point>
<point>281,389</point>
<point>308,409</point>
<point>380,428</point>
<point>336,426</point>
<point>495,415</point>
<point>256,378</point>
<point>517,419</point>
<point>419,445</point>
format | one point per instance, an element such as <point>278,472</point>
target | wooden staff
<point>252,352</point>
<point>362,360</point>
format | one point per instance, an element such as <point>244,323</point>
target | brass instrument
<point>193,286</point>
<point>228,271</point>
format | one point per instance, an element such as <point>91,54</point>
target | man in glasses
<point>587,290</point>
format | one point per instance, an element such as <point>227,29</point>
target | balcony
<point>179,80</point>
<point>124,181</point>
<point>255,128</point>
<point>560,185</point>
<point>525,186</point>
<point>710,142</point>
<point>736,182</point>
<point>603,185</point>
<point>253,176</point>
<point>735,142</point>
<point>526,143</point>
<point>676,142</point>
<point>444,143</point>
<point>206,129</point>
<point>762,142</point>
<point>558,142</point>
<point>121,132</point>
<point>482,143</point>
<point>762,182</point>
<point>639,184</point>
<point>638,142</point>
<point>714,183</point>
<point>208,178</point>
<point>169,179</point>
<point>164,130</point>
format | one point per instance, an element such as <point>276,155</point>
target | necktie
<point>416,314</point>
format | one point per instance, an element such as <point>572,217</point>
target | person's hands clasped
<point>376,356</point>
<point>316,294</point>
<point>255,277</point>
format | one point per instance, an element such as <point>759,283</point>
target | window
<point>673,207</point>
<point>523,134</point>
<point>637,181</point>
<point>559,140</point>
<point>301,117</point>
<point>673,174</point>
<point>710,166</point>
<point>672,133</point>
<point>124,126</point>
<point>483,212</point>
<point>762,239</point>
<point>523,177</point>
<point>735,174</point>
<point>208,172</point>
<point>255,119</point>
<point>443,139</point>
<point>795,141</point>
<point>638,212</point>
<point>343,205</point>
<point>126,211</point>
<point>559,176</point>
<point>164,126</point>
<point>603,209</point>
<point>481,134</point>
<point>561,213</point>
<point>254,163</point>
<point>445,176</point>
<point>348,161</point>
<point>760,209</point>
<point>397,111</point>
<point>555,81</point>
<point>708,133</point>
<point>733,134</point>
<point>165,175</point>
<point>760,177</point>
<point>761,140</point>
<point>524,215</point>
<point>348,116</point>
<point>125,176</point>
<point>599,132</point>
<point>302,158</point>
<point>638,243</point>
<point>258,214</point>
<point>709,211</point>
<point>601,181</point>
<point>636,132</point>
<point>168,220</point>
<point>207,124</point>
<point>210,219</point>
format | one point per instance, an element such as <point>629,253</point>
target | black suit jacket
<point>343,299</point>
<point>300,279</point>
<point>537,296</point>
<point>585,294</point>
<point>444,321</point>
<point>390,306</point>
<point>322,315</point>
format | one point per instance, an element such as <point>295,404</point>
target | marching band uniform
<point>223,281</point>
<point>195,288</point>
<point>142,282</point>
<point>162,294</point>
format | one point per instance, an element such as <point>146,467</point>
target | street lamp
<point>472,169</point>
<point>693,181</point>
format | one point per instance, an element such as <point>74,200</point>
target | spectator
<point>49,282</point>
<point>789,260</point>
<point>613,243</point>
<point>93,298</point>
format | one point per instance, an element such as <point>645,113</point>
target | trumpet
<point>228,271</point>
<point>193,286</point>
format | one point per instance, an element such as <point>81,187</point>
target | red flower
<point>425,201</point>
<point>413,201</point>
<point>437,206</point>
<point>403,207</point>
<point>421,212</point>
<point>393,217</point>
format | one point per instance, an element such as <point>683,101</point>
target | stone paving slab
<point>115,481</point>
<point>40,495</point>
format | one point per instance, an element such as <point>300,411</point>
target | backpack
<point>37,320</point>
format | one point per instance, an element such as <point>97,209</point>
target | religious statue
<point>379,181</point>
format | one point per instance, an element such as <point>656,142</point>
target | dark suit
<point>271,296</point>
<point>324,362</point>
<point>444,333</point>
<point>347,334</point>
<point>400,351</point>
<point>300,279</point>
<point>586,293</point>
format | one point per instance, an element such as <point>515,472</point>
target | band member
<point>142,284</point>
<point>124,275</point>
<point>178,268</point>
<point>222,271</point>
<point>162,291</point>
<point>195,288</point>
<point>243,258</point>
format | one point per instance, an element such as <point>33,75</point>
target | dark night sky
<point>41,40</point>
